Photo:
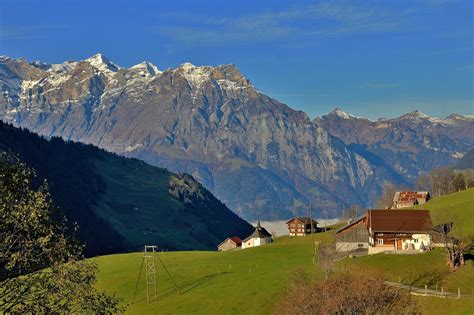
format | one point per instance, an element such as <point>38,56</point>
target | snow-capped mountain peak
<point>147,66</point>
<point>342,114</point>
<point>195,75</point>
<point>100,62</point>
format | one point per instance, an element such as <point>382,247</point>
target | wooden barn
<point>407,199</point>
<point>353,236</point>
<point>229,244</point>
<point>302,226</point>
<point>259,237</point>
<point>399,230</point>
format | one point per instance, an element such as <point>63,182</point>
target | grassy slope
<point>457,208</point>
<point>244,281</point>
<point>250,281</point>
<point>137,203</point>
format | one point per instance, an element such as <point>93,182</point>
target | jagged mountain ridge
<point>410,144</point>
<point>262,158</point>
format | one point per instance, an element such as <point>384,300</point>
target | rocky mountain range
<point>409,144</point>
<point>260,157</point>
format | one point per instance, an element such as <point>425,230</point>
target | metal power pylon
<point>149,256</point>
<point>150,268</point>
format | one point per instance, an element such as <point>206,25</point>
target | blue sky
<point>371,58</point>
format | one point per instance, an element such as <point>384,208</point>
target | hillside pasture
<point>251,281</point>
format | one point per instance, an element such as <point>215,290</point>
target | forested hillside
<point>121,204</point>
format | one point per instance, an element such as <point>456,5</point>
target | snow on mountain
<point>342,114</point>
<point>100,62</point>
<point>236,140</point>
<point>146,67</point>
<point>195,75</point>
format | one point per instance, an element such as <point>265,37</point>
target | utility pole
<point>311,229</point>
<point>150,268</point>
<point>150,254</point>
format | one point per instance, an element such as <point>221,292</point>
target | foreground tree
<point>344,294</point>
<point>41,269</point>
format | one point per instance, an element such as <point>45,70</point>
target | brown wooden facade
<point>301,226</point>
<point>353,236</point>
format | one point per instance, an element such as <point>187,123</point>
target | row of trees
<point>41,268</point>
<point>444,180</point>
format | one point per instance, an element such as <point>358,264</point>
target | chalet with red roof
<point>230,243</point>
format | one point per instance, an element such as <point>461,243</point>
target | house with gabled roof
<point>301,226</point>
<point>387,230</point>
<point>407,199</point>
<point>230,243</point>
<point>399,230</point>
<point>259,237</point>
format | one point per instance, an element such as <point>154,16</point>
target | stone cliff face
<point>409,144</point>
<point>260,157</point>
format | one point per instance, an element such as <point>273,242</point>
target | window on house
<point>360,245</point>
<point>380,241</point>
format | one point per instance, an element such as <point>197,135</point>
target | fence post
<point>426,290</point>
<point>442,292</point>
<point>459,293</point>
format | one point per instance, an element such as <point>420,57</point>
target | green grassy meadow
<point>250,281</point>
<point>243,281</point>
<point>457,208</point>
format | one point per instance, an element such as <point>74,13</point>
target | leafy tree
<point>41,269</point>
<point>459,182</point>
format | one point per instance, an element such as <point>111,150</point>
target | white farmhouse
<point>259,237</point>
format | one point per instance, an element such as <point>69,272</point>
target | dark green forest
<point>120,204</point>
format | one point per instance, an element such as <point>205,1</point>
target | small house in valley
<point>387,230</point>
<point>230,243</point>
<point>407,199</point>
<point>259,237</point>
<point>302,226</point>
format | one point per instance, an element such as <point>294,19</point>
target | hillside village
<point>396,229</point>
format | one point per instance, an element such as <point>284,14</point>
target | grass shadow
<point>185,287</point>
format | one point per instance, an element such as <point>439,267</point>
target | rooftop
<point>411,221</point>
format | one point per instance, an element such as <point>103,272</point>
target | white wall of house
<point>418,242</point>
<point>256,242</point>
